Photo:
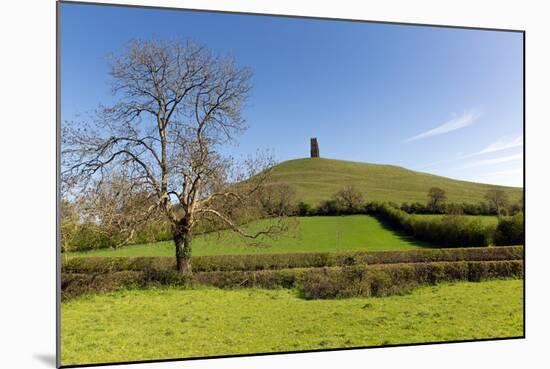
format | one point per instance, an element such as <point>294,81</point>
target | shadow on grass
<point>404,236</point>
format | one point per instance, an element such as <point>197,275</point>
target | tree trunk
<point>182,238</point>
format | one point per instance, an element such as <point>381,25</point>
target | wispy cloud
<point>502,159</point>
<point>469,117</point>
<point>502,144</point>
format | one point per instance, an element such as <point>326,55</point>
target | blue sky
<point>438,100</point>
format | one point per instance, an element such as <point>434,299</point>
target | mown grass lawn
<point>307,234</point>
<point>176,323</point>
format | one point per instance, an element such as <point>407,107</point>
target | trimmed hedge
<point>448,230</point>
<point>76,284</point>
<point>510,230</point>
<point>392,279</point>
<point>277,278</point>
<point>288,261</point>
<point>312,283</point>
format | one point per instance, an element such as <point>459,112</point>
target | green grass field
<point>318,179</point>
<point>174,323</point>
<point>485,219</point>
<point>307,234</point>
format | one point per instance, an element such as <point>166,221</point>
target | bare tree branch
<point>178,105</point>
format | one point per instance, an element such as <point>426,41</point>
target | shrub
<point>391,279</point>
<point>279,278</point>
<point>73,284</point>
<point>510,230</point>
<point>303,209</point>
<point>289,261</point>
<point>453,254</point>
<point>312,283</point>
<point>480,208</point>
<point>448,231</point>
<point>84,236</point>
<point>329,207</point>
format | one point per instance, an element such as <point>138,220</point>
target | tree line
<point>88,225</point>
<point>349,200</point>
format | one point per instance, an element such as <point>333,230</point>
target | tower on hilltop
<point>314,147</point>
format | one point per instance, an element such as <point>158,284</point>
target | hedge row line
<point>393,279</point>
<point>447,231</point>
<point>312,283</point>
<point>290,260</point>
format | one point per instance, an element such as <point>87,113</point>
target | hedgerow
<point>510,230</point>
<point>77,236</point>
<point>312,283</point>
<point>391,279</point>
<point>288,261</point>
<point>76,284</point>
<point>447,231</point>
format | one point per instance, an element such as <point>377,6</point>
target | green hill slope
<point>318,179</point>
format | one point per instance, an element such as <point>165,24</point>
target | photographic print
<point>243,184</point>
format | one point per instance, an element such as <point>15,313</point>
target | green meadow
<point>176,323</point>
<point>306,234</point>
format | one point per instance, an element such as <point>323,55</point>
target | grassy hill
<point>318,179</point>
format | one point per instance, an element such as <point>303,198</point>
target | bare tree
<point>178,105</point>
<point>278,199</point>
<point>121,208</point>
<point>436,198</point>
<point>497,199</point>
<point>349,198</point>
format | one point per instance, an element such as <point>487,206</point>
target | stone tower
<point>314,147</point>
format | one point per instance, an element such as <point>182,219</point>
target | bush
<point>391,279</point>
<point>312,283</point>
<point>448,231</point>
<point>303,209</point>
<point>289,261</point>
<point>329,207</point>
<point>84,236</point>
<point>480,208</point>
<point>510,230</point>
<point>73,284</point>
<point>278,278</point>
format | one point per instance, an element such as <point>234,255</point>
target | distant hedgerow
<point>447,231</point>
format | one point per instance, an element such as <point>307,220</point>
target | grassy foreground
<point>308,234</point>
<point>173,323</point>
<point>318,179</point>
